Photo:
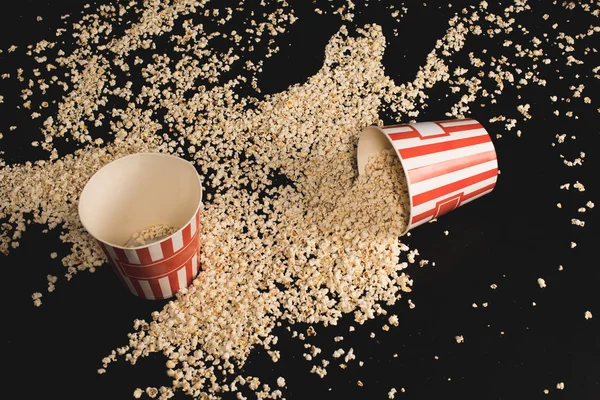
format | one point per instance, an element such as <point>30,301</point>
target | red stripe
<point>452,187</point>
<point>174,281</point>
<point>155,286</point>
<point>475,193</point>
<point>445,206</point>
<point>460,128</point>
<point>163,267</point>
<point>423,215</point>
<point>120,255</point>
<point>444,146</point>
<point>445,167</point>
<point>186,234</point>
<point>439,135</point>
<point>167,248</point>
<point>144,256</point>
<point>404,135</point>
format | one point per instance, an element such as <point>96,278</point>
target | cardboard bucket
<point>446,163</point>
<point>136,192</point>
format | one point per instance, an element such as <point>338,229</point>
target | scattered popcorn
<point>151,392</point>
<point>392,393</point>
<point>338,353</point>
<point>459,339</point>
<point>541,282</point>
<point>588,315</point>
<point>578,222</point>
<point>560,385</point>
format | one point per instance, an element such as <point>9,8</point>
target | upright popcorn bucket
<point>446,163</point>
<point>139,191</point>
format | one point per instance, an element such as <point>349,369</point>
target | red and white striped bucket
<point>133,193</point>
<point>446,163</point>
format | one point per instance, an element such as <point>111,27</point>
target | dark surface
<point>510,237</point>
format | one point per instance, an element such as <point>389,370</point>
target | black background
<point>510,237</point>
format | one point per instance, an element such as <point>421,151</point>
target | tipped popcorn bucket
<point>446,163</point>
<point>139,191</point>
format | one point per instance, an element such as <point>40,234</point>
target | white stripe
<point>155,252</point>
<point>193,226</point>
<point>182,277</point>
<point>434,158</point>
<point>412,142</point>
<point>398,129</point>
<point>194,265</point>
<point>427,128</point>
<point>132,256</point>
<point>165,287</point>
<point>429,184</point>
<point>147,289</point>
<point>421,208</point>
<point>177,240</point>
<point>458,123</point>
